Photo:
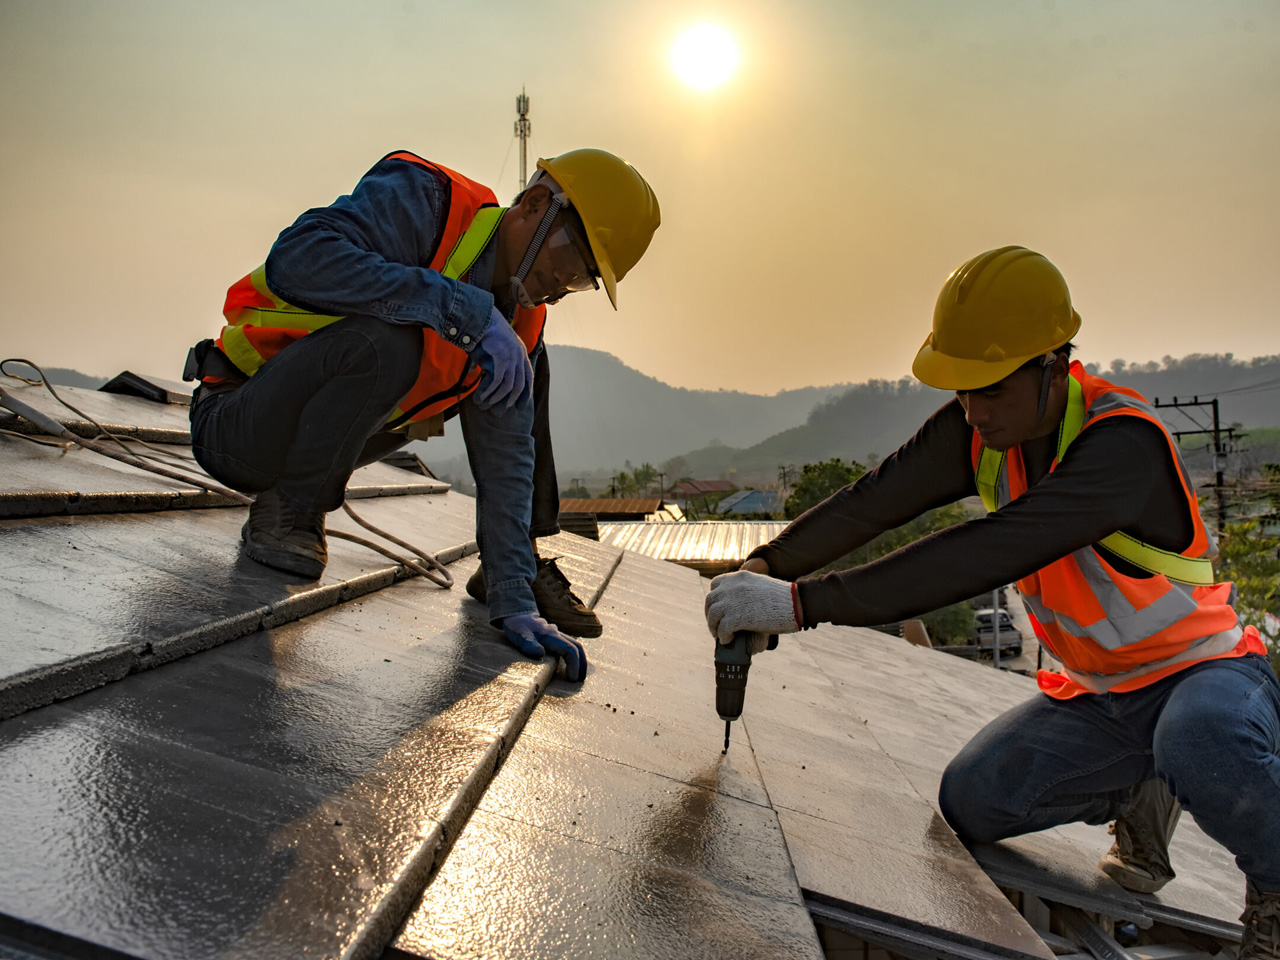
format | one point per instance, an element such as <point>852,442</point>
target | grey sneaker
<point>1261,919</point>
<point>284,538</point>
<point>1139,859</point>
<point>557,603</point>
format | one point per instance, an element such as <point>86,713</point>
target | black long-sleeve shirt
<point>1118,474</point>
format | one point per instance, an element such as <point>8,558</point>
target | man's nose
<point>976,411</point>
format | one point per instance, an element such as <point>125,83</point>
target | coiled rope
<point>157,462</point>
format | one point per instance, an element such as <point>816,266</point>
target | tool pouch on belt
<point>206,360</point>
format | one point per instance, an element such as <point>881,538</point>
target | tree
<point>1248,558</point>
<point>578,492</point>
<point>676,468</point>
<point>951,624</point>
<point>644,476</point>
<point>819,481</point>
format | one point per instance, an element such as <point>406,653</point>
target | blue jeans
<point>315,411</point>
<point>1210,732</point>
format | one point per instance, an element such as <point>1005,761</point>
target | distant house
<point>751,501</point>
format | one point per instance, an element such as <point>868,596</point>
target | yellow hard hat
<point>616,205</point>
<point>996,312</point>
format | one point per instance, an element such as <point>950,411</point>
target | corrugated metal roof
<point>751,501</point>
<point>706,542</point>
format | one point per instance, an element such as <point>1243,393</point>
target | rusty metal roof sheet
<point>610,505</point>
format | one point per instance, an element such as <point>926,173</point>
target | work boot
<point>1139,859</point>
<point>557,603</point>
<point>1261,919</point>
<point>284,538</point>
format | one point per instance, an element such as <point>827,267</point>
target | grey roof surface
<point>362,763</point>
<point>921,707</point>
<point>96,597</point>
<point>125,415</point>
<point>615,827</point>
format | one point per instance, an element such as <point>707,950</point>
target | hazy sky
<point>812,206</point>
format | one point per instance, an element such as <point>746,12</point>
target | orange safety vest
<point>1114,632</point>
<point>261,324</point>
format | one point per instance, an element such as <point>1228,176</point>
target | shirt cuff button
<point>466,339</point>
<point>453,331</point>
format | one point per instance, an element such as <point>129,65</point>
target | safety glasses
<point>572,271</point>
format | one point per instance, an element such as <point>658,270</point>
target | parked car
<point>1010,638</point>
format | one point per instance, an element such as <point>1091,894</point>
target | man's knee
<point>964,799</point>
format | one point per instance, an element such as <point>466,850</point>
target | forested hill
<point>604,413</point>
<point>876,417</point>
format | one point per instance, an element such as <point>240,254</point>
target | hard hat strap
<point>1046,378</point>
<point>517,281</point>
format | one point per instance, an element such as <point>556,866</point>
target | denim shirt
<point>363,255</point>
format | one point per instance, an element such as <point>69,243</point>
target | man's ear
<point>1061,366</point>
<point>535,201</point>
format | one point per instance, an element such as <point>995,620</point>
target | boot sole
<point>587,631</point>
<point>1134,882</point>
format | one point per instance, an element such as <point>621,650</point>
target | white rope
<point>431,568</point>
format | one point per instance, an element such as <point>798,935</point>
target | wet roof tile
<point>922,707</point>
<point>615,825</point>
<point>107,595</point>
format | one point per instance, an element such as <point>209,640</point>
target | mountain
<point>876,417</point>
<point>604,413</point>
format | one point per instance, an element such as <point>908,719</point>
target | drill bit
<point>727,727</point>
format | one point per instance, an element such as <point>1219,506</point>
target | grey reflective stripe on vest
<point>1214,645</point>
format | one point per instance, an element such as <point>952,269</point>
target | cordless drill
<point>733,660</point>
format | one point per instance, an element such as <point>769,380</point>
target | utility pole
<point>995,621</point>
<point>1219,448</point>
<point>523,129</point>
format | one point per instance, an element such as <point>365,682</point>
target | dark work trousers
<point>304,421</point>
<point>313,414</point>
<point>546,491</point>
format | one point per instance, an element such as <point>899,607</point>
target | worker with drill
<point>1163,695</point>
<point>375,319</point>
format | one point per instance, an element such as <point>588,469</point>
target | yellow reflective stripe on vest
<point>989,465</point>
<point>239,351</point>
<point>472,243</point>
<point>465,252</point>
<point>1144,556</point>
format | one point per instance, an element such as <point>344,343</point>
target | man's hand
<point>505,363</point>
<point>750,601</point>
<point>755,565</point>
<point>534,637</point>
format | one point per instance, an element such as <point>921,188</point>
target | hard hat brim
<point>945,372</point>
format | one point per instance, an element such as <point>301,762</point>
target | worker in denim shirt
<point>414,299</point>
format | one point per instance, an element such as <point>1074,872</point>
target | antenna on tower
<point>523,129</point>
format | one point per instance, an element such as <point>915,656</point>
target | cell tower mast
<point>523,129</point>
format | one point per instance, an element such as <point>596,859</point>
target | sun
<point>705,56</point>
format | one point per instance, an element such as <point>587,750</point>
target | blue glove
<point>505,364</point>
<point>534,637</point>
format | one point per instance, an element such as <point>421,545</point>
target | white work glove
<point>750,601</point>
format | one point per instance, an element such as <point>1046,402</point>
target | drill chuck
<point>731,685</point>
